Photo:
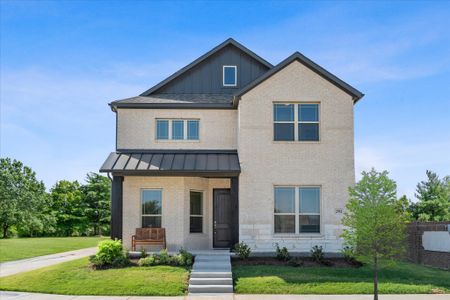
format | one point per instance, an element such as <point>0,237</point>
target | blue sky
<point>63,61</point>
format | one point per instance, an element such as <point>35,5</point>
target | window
<point>162,129</point>
<point>192,130</point>
<point>151,208</point>
<point>229,75</point>
<point>297,210</point>
<point>296,122</point>
<point>177,129</point>
<point>196,212</point>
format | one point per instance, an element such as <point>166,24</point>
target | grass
<point>19,248</point>
<point>77,278</point>
<point>400,278</point>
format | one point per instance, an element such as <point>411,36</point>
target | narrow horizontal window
<point>177,129</point>
<point>229,75</point>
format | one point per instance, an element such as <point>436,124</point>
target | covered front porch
<point>193,194</point>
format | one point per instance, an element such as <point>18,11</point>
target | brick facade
<point>415,251</point>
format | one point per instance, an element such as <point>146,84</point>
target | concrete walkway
<point>29,296</point>
<point>28,264</point>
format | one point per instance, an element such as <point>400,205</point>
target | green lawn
<point>401,278</point>
<point>18,248</point>
<point>76,278</point>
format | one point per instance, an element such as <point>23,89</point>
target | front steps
<point>211,274</point>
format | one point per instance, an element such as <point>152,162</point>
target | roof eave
<point>115,106</point>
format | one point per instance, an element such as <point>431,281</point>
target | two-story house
<point>232,148</point>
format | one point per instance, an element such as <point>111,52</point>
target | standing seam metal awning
<point>205,163</point>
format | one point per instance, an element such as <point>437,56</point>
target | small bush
<point>110,254</point>
<point>183,258</point>
<point>348,253</point>
<point>282,253</point>
<point>317,254</point>
<point>143,253</point>
<point>148,261</point>
<point>242,250</point>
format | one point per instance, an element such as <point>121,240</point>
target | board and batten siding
<point>206,77</point>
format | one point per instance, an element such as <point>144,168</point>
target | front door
<point>222,212</point>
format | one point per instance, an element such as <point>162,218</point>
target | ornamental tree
<point>375,227</point>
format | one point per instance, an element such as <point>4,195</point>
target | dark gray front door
<point>222,218</point>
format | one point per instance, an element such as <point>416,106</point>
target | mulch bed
<point>295,262</point>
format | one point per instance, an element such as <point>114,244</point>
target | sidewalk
<point>30,296</point>
<point>28,264</point>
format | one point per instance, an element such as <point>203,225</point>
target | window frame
<point>197,216</point>
<point>297,212</point>
<point>170,128</point>
<point>152,215</point>
<point>297,122</point>
<point>235,76</point>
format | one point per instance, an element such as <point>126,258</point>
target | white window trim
<point>235,75</point>
<point>152,215</point>
<point>297,212</point>
<point>296,122</point>
<point>185,130</point>
<point>202,215</point>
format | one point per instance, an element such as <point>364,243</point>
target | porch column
<point>234,195</point>
<point>116,207</point>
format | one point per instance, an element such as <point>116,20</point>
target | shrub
<point>348,253</point>
<point>148,261</point>
<point>143,253</point>
<point>282,253</point>
<point>183,258</point>
<point>317,254</point>
<point>242,250</point>
<point>110,254</point>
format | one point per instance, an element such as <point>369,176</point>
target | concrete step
<point>200,265</point>
<point>202,274</point>
<point>210,288</point>
<point>212,258</point>
<point>210,281</point>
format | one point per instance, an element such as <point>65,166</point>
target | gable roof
<point>202,58</point>
<point>297,56</point>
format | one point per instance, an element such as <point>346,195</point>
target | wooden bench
<point>149,236</point>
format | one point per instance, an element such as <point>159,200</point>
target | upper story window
<point>296,122</point>
<point>177,129</point>
<point>229,75</point>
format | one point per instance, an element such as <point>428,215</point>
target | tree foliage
<point>23,200</point>
<point>375,226</point>
<point>96,194</point>
<point>433,199</point>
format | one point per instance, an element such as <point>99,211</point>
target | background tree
<point>375,227</point>
<point>23,200</point>
<point>96,194</point>
<point>433,197</point>
<point>69,208</point>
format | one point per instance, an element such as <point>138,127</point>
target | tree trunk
<point>5,231</point>
<point>375,278</point>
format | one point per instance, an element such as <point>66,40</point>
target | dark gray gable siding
<point>206,77</point>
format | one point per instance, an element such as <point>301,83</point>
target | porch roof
<point>203,163</point>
